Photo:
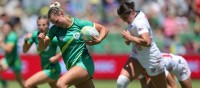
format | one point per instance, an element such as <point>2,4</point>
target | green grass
<point>102,84</point>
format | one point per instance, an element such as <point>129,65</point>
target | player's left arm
<point>103,31</point>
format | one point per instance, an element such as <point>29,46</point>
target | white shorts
<point>182,72</point>
<point>141,76</point>
<point>155,70</point>
<point>153,66</point>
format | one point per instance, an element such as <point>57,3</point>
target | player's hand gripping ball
<point>87,32</point>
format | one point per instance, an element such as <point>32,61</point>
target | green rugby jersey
<point>70,43</point>
<point>49,52</point>
<point>11,57</point>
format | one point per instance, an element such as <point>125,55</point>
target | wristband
<point>26,41</point>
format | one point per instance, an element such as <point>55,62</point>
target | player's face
<point>58,20</point>
<point>43,25</point>
<point>128,18</point>
<point>6,29</point>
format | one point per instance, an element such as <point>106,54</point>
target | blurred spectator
<point>4,17</point>
<point>196,34</point>
<point>109,8</point>
<point>76,9</point>
<point>170,25</point>
<point>160,39</point>
<point>196,6</point>
<point>176,47</point>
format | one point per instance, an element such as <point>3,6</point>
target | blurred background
<point>175,23</point>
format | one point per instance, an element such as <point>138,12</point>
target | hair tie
<point>55,4</point>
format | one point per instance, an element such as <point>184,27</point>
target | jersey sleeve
<point>51,32</point>
<point>12,38</point>
<point>55,44</point>
<point>83,23</point>
<point>33,37</point>
<point>141,27</point>
<point>55,41</point>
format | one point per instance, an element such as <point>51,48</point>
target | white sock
<point>122,81</point>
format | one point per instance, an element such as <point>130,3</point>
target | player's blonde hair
<point>54,9</point>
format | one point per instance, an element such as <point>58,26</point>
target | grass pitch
<point>101,84</point>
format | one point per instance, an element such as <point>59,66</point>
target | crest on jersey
<point>61,37</point>
<point>76,35</point>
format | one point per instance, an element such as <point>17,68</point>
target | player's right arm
<point>27,43</point>
<point>44,41</point>
<point>55,58</point>
<point>144,35</point>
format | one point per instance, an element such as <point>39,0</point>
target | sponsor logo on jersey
<point>76,35</point>
<point>140,29</point>
<point>153,70</point>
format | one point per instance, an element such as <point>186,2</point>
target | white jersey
<point>177,65</point>
<point>149,57</point>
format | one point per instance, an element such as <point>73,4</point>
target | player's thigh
<point>76,75</point>
<point>132,69</point>
<point>159,81</point>
<point>87,84</point>
<point>150,84</point>
<point>171,83</point>
<point>3,65</point>
<point>186,83</point>
<point>38,78</point>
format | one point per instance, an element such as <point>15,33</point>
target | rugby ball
<point>87,32</point>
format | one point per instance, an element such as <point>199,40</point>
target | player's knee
<point>61,84</point>
<point>122,81</point>
<point>29,84</point>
